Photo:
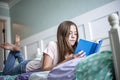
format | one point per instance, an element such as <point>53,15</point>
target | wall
<point>4,12</point>
<point>4,9</point>
<point>4,18</point>
<point>34,16</point>
<point>5,15</point>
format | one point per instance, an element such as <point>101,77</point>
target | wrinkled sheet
<point>23,76</point>
<point>65,71</point>
<point>8,77</point>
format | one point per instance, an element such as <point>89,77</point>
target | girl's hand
<point>70,57</point>
<point>80,54</point>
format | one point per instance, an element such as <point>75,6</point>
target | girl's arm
<point>47,62</point>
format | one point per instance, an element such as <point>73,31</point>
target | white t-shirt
<point>51,50</point>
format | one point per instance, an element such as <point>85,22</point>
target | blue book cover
<point>99,43</point>
<point>88,47</point>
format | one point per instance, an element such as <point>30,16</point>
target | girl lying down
<point>55,53</point>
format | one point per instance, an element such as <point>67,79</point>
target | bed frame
<point>114,35</point>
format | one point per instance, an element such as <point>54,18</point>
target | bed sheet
<point>94,67</point>
<point>65,71</point>
<point>23,76</point>
<point>39,75</point>
<point>97,66</point>
<point>8,77</point>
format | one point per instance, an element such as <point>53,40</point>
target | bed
<point>103,65</point>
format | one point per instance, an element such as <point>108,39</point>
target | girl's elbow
<point>46,68</point>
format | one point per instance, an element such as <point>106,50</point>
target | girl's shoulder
<point>52,43</point>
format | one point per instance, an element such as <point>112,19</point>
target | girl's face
<point>72,35</point>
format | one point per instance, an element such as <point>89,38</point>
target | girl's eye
<point>75,34</point>
<point>70,33</point>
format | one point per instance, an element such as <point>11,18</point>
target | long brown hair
<point>64,46</point>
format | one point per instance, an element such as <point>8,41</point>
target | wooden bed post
<point>114,35</point>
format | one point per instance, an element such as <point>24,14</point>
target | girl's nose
<point>73,35</point>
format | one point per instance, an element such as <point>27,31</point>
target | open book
<point>88,47</point>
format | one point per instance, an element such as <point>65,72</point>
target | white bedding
<point>39,75</point>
